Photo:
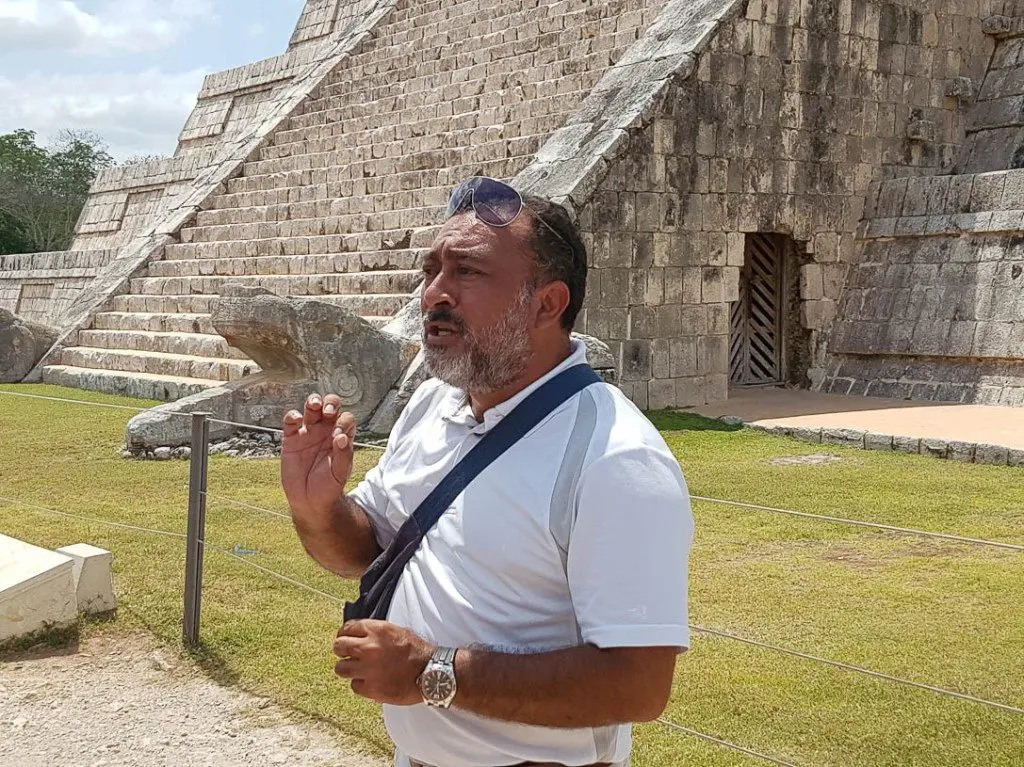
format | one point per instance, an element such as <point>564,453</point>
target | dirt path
<point>122,702</point>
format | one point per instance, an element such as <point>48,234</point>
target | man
<point>545,610</point>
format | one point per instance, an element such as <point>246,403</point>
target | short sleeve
<point>629,552</point>
<point>371,494</point>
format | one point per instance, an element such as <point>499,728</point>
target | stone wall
<point>39,286</point>
<point>934,308</point>
<point>995,135</point>
<point>796,107</point>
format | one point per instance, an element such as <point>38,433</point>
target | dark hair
<point>561,254</point>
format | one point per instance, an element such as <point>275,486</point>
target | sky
<point>128,70</point>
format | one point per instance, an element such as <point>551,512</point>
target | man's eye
<point>465,270</point>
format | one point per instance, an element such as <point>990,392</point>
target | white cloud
<point>138,113</point>
<point>116,26</point>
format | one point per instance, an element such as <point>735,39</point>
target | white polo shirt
<point>579,533</point>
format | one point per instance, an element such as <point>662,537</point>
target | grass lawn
<point>945,614</point>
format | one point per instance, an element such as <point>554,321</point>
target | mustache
<point>444,315</point>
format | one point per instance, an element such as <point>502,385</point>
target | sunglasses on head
<point>493,202</point>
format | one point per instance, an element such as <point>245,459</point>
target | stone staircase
<point>344,197</point>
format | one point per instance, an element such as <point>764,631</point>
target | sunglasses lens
<point>495,203</point>
<point>461,197</point>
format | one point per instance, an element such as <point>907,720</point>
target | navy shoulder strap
<point>377,586</point>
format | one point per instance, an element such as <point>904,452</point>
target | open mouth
<point>436,331</point>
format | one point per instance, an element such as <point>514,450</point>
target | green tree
<point>42,190</point>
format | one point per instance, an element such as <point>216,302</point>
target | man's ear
<point>554,301</point>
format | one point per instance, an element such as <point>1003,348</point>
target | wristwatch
<point>437,682</point>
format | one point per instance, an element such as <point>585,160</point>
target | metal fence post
<point>196,534</point>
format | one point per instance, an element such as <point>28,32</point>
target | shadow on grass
<point>671,419</point>
<point>45,643</point>
<point>214,666</point>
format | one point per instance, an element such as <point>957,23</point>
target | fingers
<point>348,647</point>
<point>347,423</point>
<point>347,669</point>
<point>319,409</point>
<point>358,628</point>
<point>314,409</point>
<point>332,406</point>
<point>292,423</point>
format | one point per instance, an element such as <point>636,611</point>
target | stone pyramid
<point>771,191</point>
<point>322,172</point>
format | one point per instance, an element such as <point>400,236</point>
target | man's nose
<point>436,293</point>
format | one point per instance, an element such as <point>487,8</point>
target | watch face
<point>437,685</point>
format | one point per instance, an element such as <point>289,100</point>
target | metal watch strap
<point>445,655</point>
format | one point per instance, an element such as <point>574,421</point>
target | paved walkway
<point>982,424</point>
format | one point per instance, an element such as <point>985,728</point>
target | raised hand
<point>316,454</point>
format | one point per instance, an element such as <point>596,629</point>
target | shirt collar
<point>457,410</point>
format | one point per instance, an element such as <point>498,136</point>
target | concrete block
<point>992,454</point>
<point>37,589</point>
<point>937,448</point>
<point>962,451</point>
<point>776,430</point>
<point>806,434</point>
<point>906,444</point>
<point>874,441</point>
<point>94,580</point>
<point>849,437</point>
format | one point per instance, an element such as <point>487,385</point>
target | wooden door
<point>757,317</point>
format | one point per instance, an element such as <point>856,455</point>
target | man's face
<point>478,304</point>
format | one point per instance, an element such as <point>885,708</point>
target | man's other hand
<point>382,660</point>
<point>316,454</point>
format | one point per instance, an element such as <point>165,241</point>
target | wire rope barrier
<point>706,499</point>
<point>735,637</point>
<point>719,741</point>
<point>244,505</point>
<point>94,520</point>
<point>856,669</point>
<point>205,495</point>
<point>860,523</point>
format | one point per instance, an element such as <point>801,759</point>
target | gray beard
<point>494,357</point>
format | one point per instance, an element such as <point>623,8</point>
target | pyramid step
<point>189,304</point>
<point>193,344</point>
<point>342,263</point>
<point>353,213</point>
<point>290,233</point>
<point>158,363</point>
<point>157,323</point>
<point>380,305</point>
<point>139,385</point>
<point>373,231</point>
<point>354,283</point>
<point>415,238</point>
<point>306,186</point>
<point>268,246</point>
